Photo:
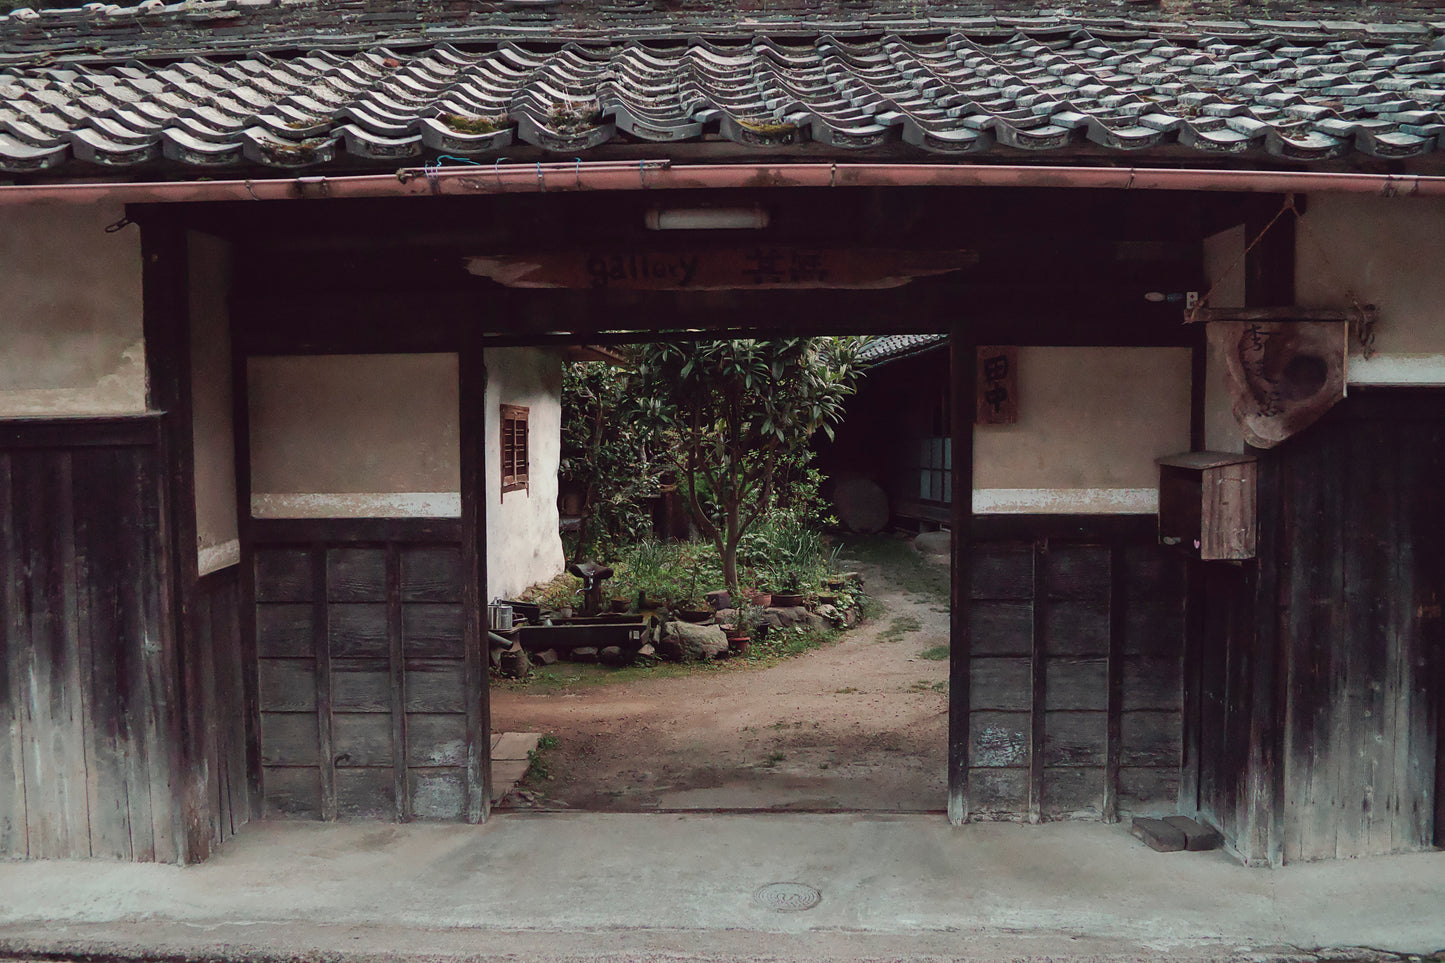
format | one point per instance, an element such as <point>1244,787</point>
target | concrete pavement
<point>553,886</point>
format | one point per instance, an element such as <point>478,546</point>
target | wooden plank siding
<point>363,679</point>
<point>1075,671</point>
<point>1361,515</point>
<point>85,698</point>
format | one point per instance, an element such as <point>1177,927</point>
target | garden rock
<point>584,653</point>
<point>545,657</point>
<point>934,543</point>
<point>611,654</point>
<point>862,505</point>
<point>831,613</point>
<point>719,600</point>
<point>813,621</point>
<point>726,616</point>
<point>694,643</point>
<point>792,615</point>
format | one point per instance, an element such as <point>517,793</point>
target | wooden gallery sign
<point>1283,374</point>
<point>725,269</point>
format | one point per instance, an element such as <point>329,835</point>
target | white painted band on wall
<point>1065,501</point>
<point>1397,369</point>
<point>357,505</point>
<point>213,558</point>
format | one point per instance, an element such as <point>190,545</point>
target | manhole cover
<point>787,897</point>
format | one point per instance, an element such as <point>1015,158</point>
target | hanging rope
<point>1363,317</point>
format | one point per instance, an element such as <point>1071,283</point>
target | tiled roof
<point>891,347</point>
<point>1317,95</point>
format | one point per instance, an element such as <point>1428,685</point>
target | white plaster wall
<point>523,544</point>
<point>1091,422</point>
<point>1384,251</point>
<point>1224,268</point>
<point>354,436</point>
<point>70,313</point>
<point>213,439</point>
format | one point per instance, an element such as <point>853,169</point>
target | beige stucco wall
<point>1091,422</point>
<point>1224,270</point>
<point>354,436</point>
<point>361,436</point>
<point>523,545</point>
<point>70,313</point>
<point>1384,251</point>
<point>213,441</point>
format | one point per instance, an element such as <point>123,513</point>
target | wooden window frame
<point>514,428</point>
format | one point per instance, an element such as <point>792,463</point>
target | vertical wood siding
<point>85,761</point>
<point>1321,668</point>
<point>1075,683</point>
<point>1362,517</point>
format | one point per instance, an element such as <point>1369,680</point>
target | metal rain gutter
<point>665,175</point>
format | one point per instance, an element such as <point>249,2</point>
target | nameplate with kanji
<point>998,385</point>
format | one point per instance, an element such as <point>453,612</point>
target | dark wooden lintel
<point>305,531</point>
<point>74,432</point>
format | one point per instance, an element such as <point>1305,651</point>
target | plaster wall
<point>354,436</point>
<point>70,313</point>
<point>213,440</point>
<point>1091,422</point>
<point>1389,252</point>
<point>523,544</point>
<point>367,436</point>
<point>1224,269</point>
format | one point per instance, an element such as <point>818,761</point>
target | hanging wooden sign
<point>755,267</point>
<point>1284,375</point>
<point>998,386</point>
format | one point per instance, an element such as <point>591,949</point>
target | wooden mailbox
<point>1207,504</point>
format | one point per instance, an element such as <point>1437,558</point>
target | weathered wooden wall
<point>87,672</point>
<point>1076,629</point>
<point>1362,518</point>
<point>221,759</point>
<point>1317,679</point>
<point>364,670</point>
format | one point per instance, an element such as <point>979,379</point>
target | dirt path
<point>858,725</point>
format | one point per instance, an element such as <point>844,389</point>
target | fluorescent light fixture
<point>707,219</point>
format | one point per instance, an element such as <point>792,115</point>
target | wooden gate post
<point>962,374</point>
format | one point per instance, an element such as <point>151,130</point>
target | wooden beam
<point>250,684</point>
<point>473,432</point>
<point>962,371</point>
<point>166,327</point>
<point>1269,283</point>
<point>1118,625</point>
<point>321,644</point>
<point>397,679</point>
<point>1038,675</point>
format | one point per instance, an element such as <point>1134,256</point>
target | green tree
<point>740,412</point>
<point>606,456</point>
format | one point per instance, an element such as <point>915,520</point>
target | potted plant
<point>790,579</point>
<point>747,620</point>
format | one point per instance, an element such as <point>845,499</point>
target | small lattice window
<point>514,448</point>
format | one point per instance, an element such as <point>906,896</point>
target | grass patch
<point>537,768</point>
<point>923,685</point>
<point>900,626</point>
<point>774,758</point>
<point>938,653</point>
<point>905,567</point>
<point>846,690</point>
